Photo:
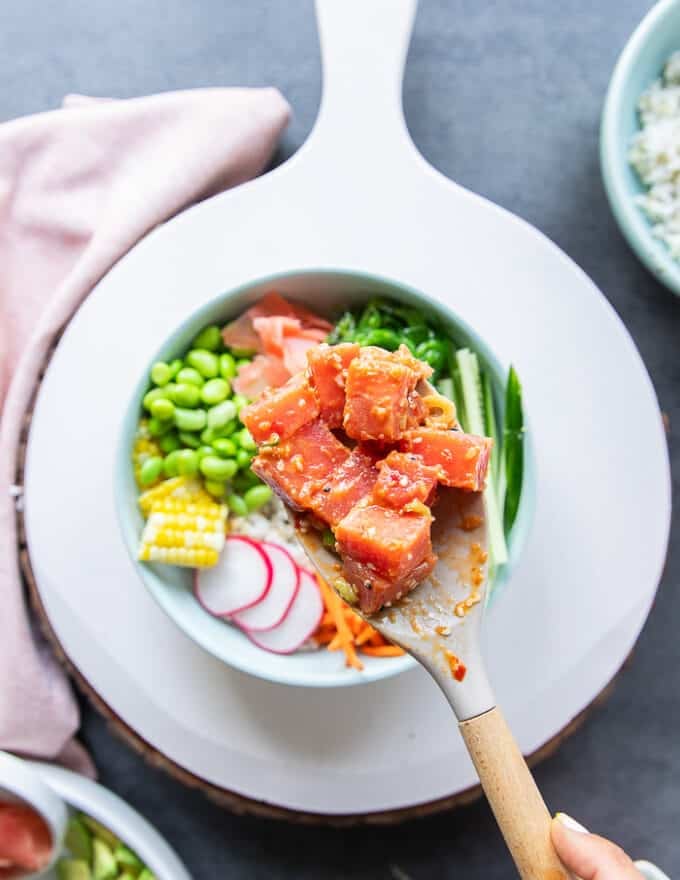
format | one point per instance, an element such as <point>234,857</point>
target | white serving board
<point>358,196</point>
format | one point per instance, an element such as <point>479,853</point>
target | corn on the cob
<point>144,447</point>
<point>185,525</point>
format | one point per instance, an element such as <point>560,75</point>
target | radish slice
<point>298,625</point>
<point>274,606</point>
<point>241,578</point>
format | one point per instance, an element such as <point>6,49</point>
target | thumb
<point>588,856</point>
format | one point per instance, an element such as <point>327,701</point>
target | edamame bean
<point>245,440</point>
<point>189,376</point>
<point>239,402</point>
<point>169,442</point>
<point>162,409</point>
<point>202,451</point>
<point>220,415</point>
<point>243,458</point>
<point>190,419</point>
<point>245,480</point>
<point>150,471</point>
<point>237,505</point>
<point>215,391</point>
<point>204,361</point>
<point>227,366</point>
<point>225,447</point>
<point>433,352</point>
<point>161,373</point>
<point>189,439</point>
<point>257,497</point>
<point>170,466</point>
<point>209,338</point>
<point>215,468</point>
<point>216,489</point>
<point>185,395</point>
<point>157,428</point>
<point>187,462</point>
<point>231,426</point>
<point>150,396</point>
<point>175,366</point>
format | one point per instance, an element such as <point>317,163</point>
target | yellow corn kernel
<point>185,525</point>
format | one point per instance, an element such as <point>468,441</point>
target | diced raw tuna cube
<point>461,460</point>
<point>377,395</point>
<point>375,591</point>
<point>279,412</point>
<point>416,410</point>
<point>403,479</point>
<point>328,369</point>
<point>389,542</point>
<point>296,468</point>
<point>352,482</point>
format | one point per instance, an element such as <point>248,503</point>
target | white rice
<point>655,155</point>
<point>271,523</point>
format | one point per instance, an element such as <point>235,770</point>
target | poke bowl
<point>220,607</point>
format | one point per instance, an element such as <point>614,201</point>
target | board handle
<point>516,802</point>
<point>363,51</point>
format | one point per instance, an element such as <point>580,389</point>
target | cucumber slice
<point>78,839</point>
<point>104,865</point>
<point>73,869</point>
<point>470,378</point>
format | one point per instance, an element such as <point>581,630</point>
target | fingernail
<point>571,824</point>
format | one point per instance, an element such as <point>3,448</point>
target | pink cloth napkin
<point>78,187</point>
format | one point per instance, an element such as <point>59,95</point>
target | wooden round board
<point>575,604</point>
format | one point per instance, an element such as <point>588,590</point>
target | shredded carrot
<point>382,651</point>
<point>340,627</point>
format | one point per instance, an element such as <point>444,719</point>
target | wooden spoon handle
<point>516,802</point>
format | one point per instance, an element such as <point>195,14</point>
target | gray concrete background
<point>503,96</point>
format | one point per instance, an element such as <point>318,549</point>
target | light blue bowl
<point>641,62</point>
<point>328,292</point>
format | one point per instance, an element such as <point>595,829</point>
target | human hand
<point>594,858</point>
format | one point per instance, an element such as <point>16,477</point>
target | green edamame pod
<point>150,471</point>
<point>257,497</point>
<point>189,376</point>
<point>202,451</point>
<point>204,361</point>
<point>245,440</point>
<point>187,462</point>
<point>237,505</point>
<point>151,396</point>
<point>243,458</point>
<point>161,373</point>
<point>225,447</point>
<point>189,439</point>
<point>215,468</point>
<point>227,366</point>
<point>162,409</point>
<point>190,419</point>
<point>222,414</point>
<point>157,428</point>
<point>215,488</point>
<point>175,366</point>
<point>210,338</point>
<point>169,442</point>
<point>185,395</point>
<point>215,391</point>
<point>170,467</point>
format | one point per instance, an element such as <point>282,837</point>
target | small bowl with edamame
<point>182,427</point>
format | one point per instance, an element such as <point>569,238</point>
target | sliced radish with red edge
<point>301,621</point>
<point>273,607</point>
<point>241,578</point>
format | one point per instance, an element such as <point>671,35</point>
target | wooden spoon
<point>439,624</point>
